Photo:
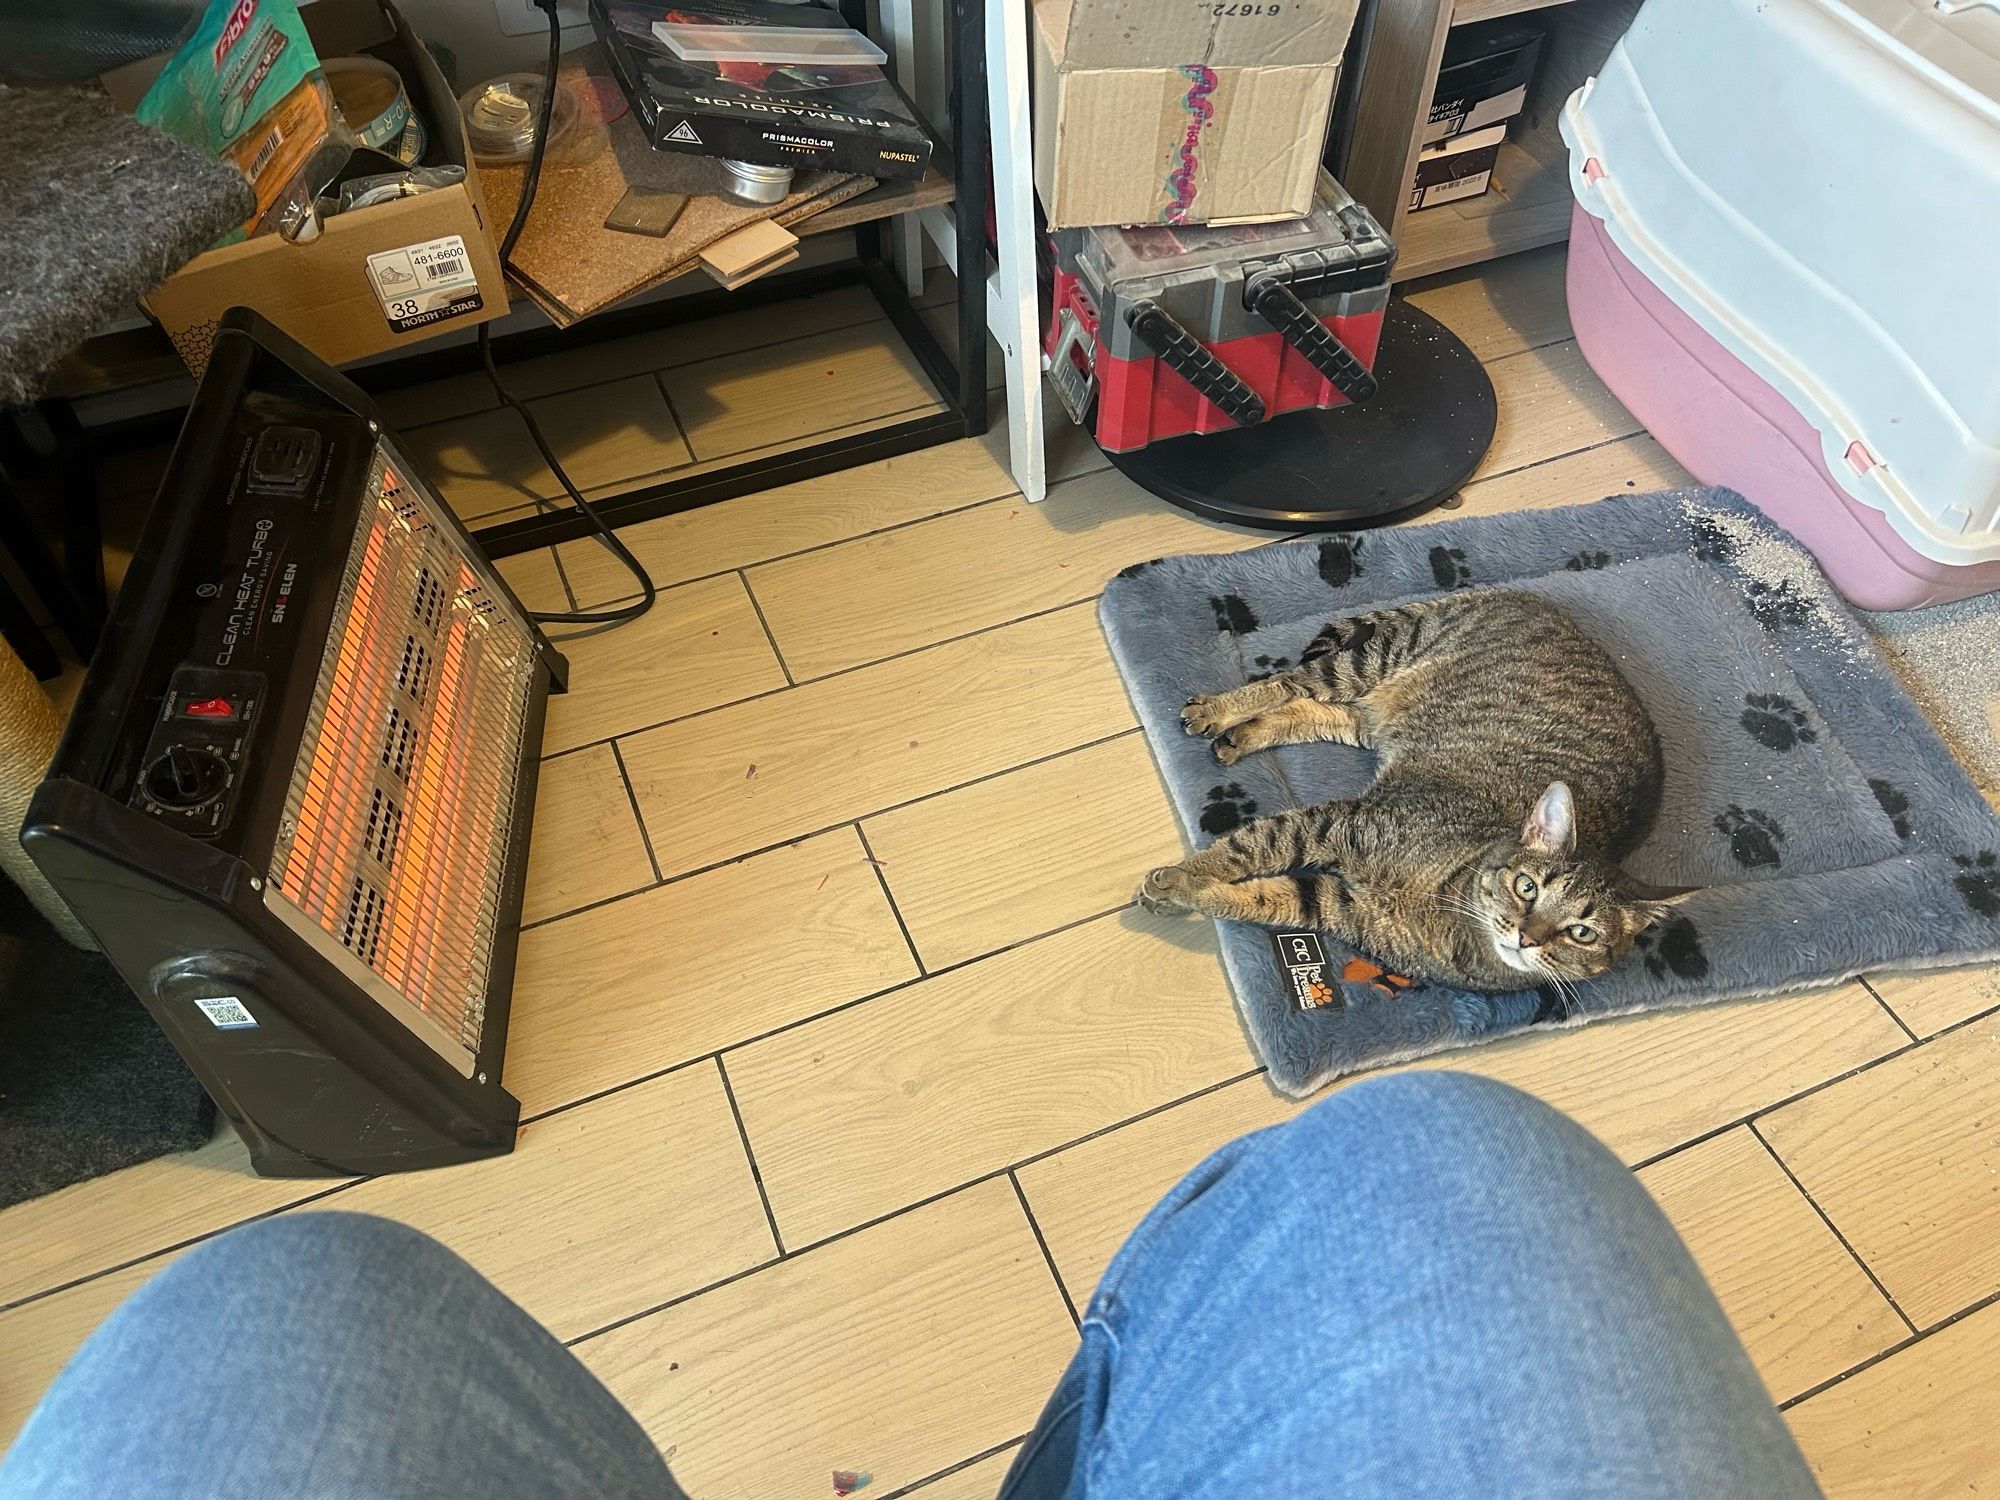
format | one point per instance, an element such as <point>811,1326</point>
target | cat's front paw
<point>1204,716</point>
<point>1166,889</point>
<point>1228,747</point>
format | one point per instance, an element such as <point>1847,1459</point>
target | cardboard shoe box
<point>376,278</point>
<point>1173,112</point>
<point>1483,78</point>
<point>1460,167</point>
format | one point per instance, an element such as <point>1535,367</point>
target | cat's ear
<point>1645,913</point>
<point>1551,825</point>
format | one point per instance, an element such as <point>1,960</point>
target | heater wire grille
<point>395,828</point>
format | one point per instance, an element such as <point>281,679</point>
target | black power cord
<point>529,181</point>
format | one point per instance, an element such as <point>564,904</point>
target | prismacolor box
<point>768,98</point>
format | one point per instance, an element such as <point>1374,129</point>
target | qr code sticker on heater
<point>226,1012</point>
<point>423,284</point>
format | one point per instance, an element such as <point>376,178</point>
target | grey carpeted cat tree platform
<point>95,208</point>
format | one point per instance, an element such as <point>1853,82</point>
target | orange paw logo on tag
<point>1319,991</point>
<point>1359,970</point>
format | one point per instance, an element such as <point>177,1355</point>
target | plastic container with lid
<point>1782,263</point>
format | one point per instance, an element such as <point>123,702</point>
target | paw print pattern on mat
<point>1894,804</point>
<point>1586,562</point>
<point>1340,560</point>
<point>1267,665</point>
<point>1673,947</point>
<point>1708,541</point>
<point>1777,604</point>
<point>1775,722</point>
<point>1226,808</point>
<point>1233,615</point>
<point>1978,880</point>
<point>1448,567</point>
<point>1753,836</point>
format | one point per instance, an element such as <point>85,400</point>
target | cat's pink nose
<point>1525,941</point>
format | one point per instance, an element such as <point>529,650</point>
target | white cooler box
<point>1786,262</point>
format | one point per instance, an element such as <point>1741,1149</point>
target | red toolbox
<point>1170,330</point>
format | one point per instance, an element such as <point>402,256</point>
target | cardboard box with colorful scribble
<point>1182,111</point>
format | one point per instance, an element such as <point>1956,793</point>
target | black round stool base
<point>1397,455</point>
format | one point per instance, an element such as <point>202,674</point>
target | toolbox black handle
<point>1279,306</point>
<point>1183,352</point>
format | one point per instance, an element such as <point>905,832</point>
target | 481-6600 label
<point>418,285</point>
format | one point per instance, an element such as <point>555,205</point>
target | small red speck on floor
<point>1062,565</point>
<point>715,632</point>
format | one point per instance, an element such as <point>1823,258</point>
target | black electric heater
<point>293,800</point>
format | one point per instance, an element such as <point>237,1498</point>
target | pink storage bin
<point>1728,426</point>
<point>1782,262</point>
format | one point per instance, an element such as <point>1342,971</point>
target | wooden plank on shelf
<point>1466,12</point>
<point>884,201</point>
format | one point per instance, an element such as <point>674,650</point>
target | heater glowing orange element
<point>396,830</point>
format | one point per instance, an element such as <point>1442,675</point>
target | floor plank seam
<point>562,577</point>
<point>1892,1351</point>
<point>757,605</point>
<point>632,801</point>
<point>679,1298</point>
<point>680,429</point>
<point>821,1015</point>
<point>778,557</point>
<point>1775,1105</point>
<point>807,439</point>
<point>1887,1008</point>
<point>918,1486</point>
<point>713,708</point>
<point>591,385</point>
<point>800,838</point>
<point>750,1156</point>
<point>177,1246</point>
<point>1048,1255</point>
<point>1833,1228</point>
<point>882,880</point>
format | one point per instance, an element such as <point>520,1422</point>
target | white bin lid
<point>1817,184</point>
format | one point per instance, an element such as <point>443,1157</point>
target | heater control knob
<point>186,778</point>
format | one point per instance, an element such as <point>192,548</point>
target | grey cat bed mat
<point>1829,829</point>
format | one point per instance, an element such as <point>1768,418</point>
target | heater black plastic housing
<point>278,899</point>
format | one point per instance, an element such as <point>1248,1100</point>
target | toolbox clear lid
<point>828,46</point>
<point>1338,229</point>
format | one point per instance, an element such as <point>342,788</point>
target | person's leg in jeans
<point>328,1355</point>
<point>1426,1285</point>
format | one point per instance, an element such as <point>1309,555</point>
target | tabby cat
<point>1516,768</point>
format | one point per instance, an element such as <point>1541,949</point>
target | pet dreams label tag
<point>423,284</point>
<point>1303,959</point>
<point>226,1013</point>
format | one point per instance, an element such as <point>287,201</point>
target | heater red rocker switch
<point>209,708</point>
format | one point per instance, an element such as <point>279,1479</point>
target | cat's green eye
<point>1579,933</point>
<point>1524,886</point>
